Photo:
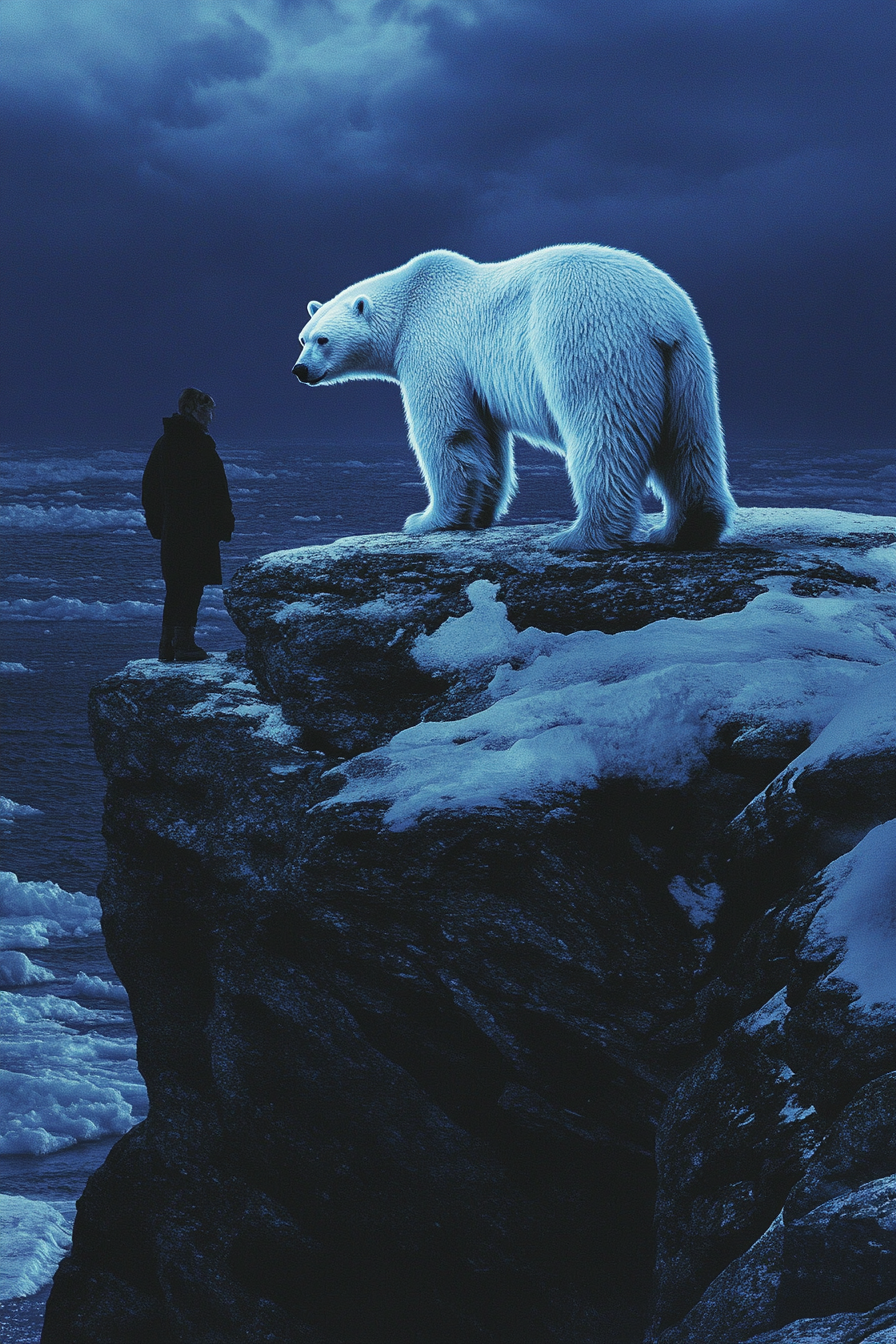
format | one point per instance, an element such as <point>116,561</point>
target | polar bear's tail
<point>689,467</point>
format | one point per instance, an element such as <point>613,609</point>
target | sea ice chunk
<point>95,987</point>
<point>17,969</point>
<point>59,1083</point>
<point>10,810</point>
<point>30,912</point>
<point>36,1235</point>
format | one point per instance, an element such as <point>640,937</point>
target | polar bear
<point>587,351</point>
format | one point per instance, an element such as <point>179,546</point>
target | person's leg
<point>172,613</point>
<point>185,648</point>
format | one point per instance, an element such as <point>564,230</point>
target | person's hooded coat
<point>186,502</point>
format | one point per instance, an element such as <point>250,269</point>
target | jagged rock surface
<point>405,1082</point>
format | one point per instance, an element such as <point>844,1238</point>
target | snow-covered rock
<point>828,796</point>
<point>474,876</point>
<point>792,1113</point>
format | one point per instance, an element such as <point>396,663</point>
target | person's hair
<point>192,400</point>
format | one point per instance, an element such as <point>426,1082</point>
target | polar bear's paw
<point>419,523</point>
<point>655,530</point>
<point>575,538</point>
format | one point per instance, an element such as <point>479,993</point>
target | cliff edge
<point>510,940</point>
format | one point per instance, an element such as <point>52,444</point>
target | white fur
<point>587,351</point>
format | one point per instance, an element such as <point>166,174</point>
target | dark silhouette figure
<point>187,506</point>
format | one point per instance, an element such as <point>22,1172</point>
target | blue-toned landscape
<point>584,1034</point>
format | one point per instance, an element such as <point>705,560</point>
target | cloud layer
<point>183,177</point>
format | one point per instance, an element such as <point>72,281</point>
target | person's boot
<point>186,650</point>
<point>166,644</point>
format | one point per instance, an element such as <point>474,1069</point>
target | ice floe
<point>67,518</point>
<point>73,609</point>
<point>62,1081</point>
<point>95,987</point>
<point>17,969</point>
<point>10,810</point>
<point>30,912</point>
<point>107,465</point>
<point>36,1235</point>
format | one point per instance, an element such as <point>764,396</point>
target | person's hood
<point>182,426</point>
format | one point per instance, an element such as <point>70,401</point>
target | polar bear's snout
<point>304,374</point>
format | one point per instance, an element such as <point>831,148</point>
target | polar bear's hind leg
<point>609,438</point>
<point>689,467</point>
<point>607,475</point>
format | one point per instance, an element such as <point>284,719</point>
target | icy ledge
<point>493,906</point>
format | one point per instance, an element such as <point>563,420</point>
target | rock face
<point>497,932</point>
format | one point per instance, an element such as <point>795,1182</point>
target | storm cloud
<point>180,179</point>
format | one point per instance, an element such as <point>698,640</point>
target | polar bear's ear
<point>362,306</point>
<point>313,307</point>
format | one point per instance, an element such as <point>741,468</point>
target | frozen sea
<point>80,595</point>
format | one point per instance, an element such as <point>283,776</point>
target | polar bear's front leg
<point>468,469</point>
<point>448,489</point>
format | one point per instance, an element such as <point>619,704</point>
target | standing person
<point>187,506</point>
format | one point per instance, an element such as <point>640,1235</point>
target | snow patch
<point>879,563</point>
<point>209,669</point>
<point>778,528</point>
<point>860,910</point>
<point>290,609</point>
<point>866,725</point>
<point>700,903</point>
<point>771,1013</point>
<point>792,1111</point>
<point>570,710</point>
<point>269,720</point>
<point>484,636</point>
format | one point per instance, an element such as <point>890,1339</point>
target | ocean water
<point>80,595</point>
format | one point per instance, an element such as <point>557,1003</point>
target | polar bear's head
<point>338,343</point>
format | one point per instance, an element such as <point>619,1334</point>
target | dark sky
<point>180,177</point>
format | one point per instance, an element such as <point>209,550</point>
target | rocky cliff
<point>510,940</point>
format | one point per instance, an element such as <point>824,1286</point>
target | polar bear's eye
<point>323,340</point>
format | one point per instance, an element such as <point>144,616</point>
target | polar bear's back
<point>583,289</point>
<point>548,329</point>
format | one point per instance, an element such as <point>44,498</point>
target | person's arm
<point>222,508</point>
<point>153,496</point>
